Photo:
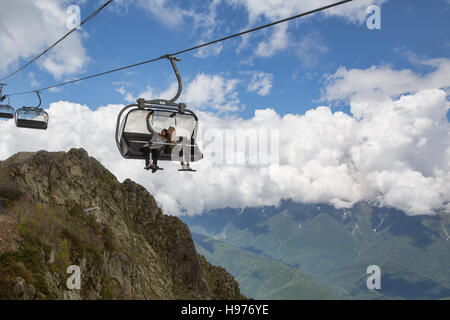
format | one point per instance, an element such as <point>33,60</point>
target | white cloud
<point>354,12</point>
<point>279,40</point>
<point>174,15</point>
<point>213,50</point>
<point>208,92</point>
<point>212,92</point>
<point>204,92</point>
<point>393,150</point>
<point>29,27</point>
<point>204,19</point>
<point>398,157</point>
<point>162,9</point>
<point>201,17</point>
<point>261,83</point>
<point>128,96</point>
<point>364,87</point>
<point>68,58</point>
<point>272,10</point>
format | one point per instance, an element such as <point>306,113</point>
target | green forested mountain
<point>334,247</point>
<point>261,277</point>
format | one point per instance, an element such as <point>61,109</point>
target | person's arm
<point>149,127</point>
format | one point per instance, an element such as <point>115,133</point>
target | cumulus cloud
<point>362,88</point>
<point>124,91</point>
<point>174,15</point>
<point>391,151</point>
<point>353,12</point>
<point>399,156</point>
<point>260,82</point>
<point>29,27</point>
<point>383,82</point>
<point>205,91</point>
<point>208,91</point>
<point>167,13</point>
<point>213,91</point>
<point>206,19</point>
<point>213,50</point>
<point>279,40</point>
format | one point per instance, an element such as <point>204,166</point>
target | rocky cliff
<point>125,247</point>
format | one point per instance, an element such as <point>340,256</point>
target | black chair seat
<point>132,145</point>
<point>6,115</point>
<point>6,111</point>
<point>31,124</point>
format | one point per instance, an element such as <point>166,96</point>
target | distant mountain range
<point>262,277</point>
<point>304,251</point>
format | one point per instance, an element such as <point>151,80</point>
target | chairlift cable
<point>189,49</point>
<point>90,17</point>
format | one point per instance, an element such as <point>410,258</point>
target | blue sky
<point>360,114</point>
<point>122,36</point>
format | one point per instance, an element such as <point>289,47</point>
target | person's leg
<point>155,156</point>
<point>186,158</point>
<point>185,163</point>
<point>146,150</point>
<point>182,157</point>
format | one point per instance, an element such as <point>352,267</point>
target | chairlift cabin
<point>6,111</point>
<point>137,122</point>
<point>32,117</point>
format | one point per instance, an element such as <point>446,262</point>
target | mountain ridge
<point>126,249</point>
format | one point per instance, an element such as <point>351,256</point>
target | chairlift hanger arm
<point>147,122</point>
<point>1,88</point>
<point>177,73</point>
<point>40,100</point>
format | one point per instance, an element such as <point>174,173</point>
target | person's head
<point>164,132</point>
<point>171,130</point>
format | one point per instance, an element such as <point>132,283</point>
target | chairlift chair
<point>6,111</point>
<point>32,117</point>
<point>135,120</point>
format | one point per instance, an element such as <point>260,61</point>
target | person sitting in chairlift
<point>172,137</point>
<point>155,146</point>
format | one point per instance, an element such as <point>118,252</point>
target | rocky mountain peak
<point>66,208</point>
